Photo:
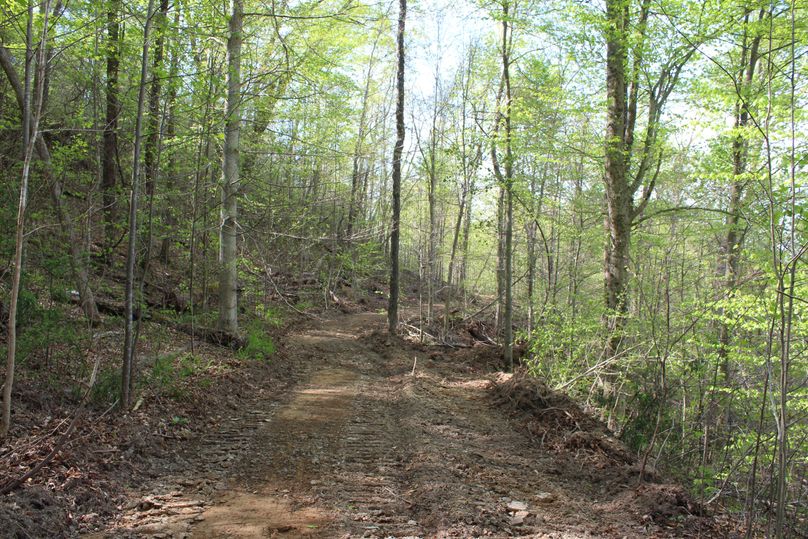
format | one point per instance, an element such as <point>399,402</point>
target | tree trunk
<point>30,132</point>
<point>537,199</point>
<point>503,120</point>
<point>508,317</point>
<point>395,233</point>
<point>618,198</point>
<point>464,260</point>
<point>109,154</point>
<point>467,167</point>
<point>127,369</point>
<point>354,208</point>
<point>151,150</point>
<point>228,231</point>
<point>170,202</point>
<point>200,178</point>
<point>78,264</point>
<point>728,264</point>
<point>431,251</point>
<point>500,270</point>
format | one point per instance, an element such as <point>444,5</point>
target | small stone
<point>517,519</point>
<point>545,497</point>
<point>412,523</point>
<point>514,505</point>
<point>314,482</point>
<point>146,505</point>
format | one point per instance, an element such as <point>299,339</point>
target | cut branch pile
<point>558,422</point>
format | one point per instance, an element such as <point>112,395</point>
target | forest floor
<point>373,437</point>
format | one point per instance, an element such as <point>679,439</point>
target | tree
<point>357,198</point>
<point>395,232</point>
<point>731,247</point>
<point>32,112</point>
<point>469,150</point>
<point>228,228</point>
<point>626,45</point>
<point>78,264</point>
<point>130,335</point>
<point>109,154</point>
<point>502,124</point>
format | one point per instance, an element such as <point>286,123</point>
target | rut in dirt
<point>378,440</point>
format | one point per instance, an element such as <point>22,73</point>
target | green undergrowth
<point>260,346</point>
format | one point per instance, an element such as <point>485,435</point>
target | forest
<point>214,209</point>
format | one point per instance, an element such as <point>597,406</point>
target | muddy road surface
<point>377,439</point>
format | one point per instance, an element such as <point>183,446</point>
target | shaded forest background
<point>614,193</point>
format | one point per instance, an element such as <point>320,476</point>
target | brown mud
<point>381,438</point>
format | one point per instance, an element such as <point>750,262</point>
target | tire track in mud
<point>333,457</point>
<point>370,479</point>
<point>369,446</point>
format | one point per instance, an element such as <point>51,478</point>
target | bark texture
<point>398,150</point>
<point>228,229</point>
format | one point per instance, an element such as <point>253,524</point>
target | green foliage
<point>44,329</point>
<point>560,345</point>
<point>363,260</point>
<point>170,372</point>
<point>29,311</point>
<point>260,346</point>
<point>107,388</point>
<point>318,112</point>
<point>269,315</point>
<point>641,421</point>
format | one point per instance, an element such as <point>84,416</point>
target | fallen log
<point>210,335</point>
<point>213,336</point>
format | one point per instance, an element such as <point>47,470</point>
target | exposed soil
<point>381,438</point>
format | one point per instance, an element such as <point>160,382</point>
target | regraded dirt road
<point>377,440</point>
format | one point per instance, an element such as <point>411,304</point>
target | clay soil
<point>355,434</point>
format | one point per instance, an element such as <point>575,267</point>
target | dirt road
<point>377,440</point>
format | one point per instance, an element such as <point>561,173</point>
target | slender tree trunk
<point>786,294</point>
<point>531,230</point>
<point>452,260</point>
<point>503,121</point>
<point>431,250</point>
<point>508,318</point>
<point>200,178</point>
<point>109,155</point>
<point>464,260</point>
<point>151,150</point>
<point>170,202</point>
<point>466,167</point>
<point>355,206</point>
<point>732,245</point>
<point>500,270</point>
<point>127,369</point>
<point>78,264</point>
<point>30,131</point>
<point>395,233</point>
<point>228,231</point>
